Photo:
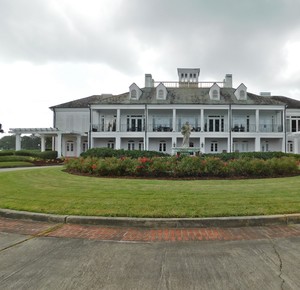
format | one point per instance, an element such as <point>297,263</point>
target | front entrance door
<point>70,149</point>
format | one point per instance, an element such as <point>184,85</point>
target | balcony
<point>277,128</point>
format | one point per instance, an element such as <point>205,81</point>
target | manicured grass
<point>12,164</point>
<point>51,190</point>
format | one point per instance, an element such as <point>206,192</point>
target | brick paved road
<point>146,235</point>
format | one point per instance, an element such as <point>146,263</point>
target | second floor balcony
<point>212,127</point>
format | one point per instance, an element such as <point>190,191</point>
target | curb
<point>221,222</point>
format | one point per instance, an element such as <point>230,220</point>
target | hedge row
<point>118,153</point>
<point>252,155</point>
<point>31,153</point>
<point>184,167</point>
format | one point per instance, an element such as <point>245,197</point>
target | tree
<point>8,142</point>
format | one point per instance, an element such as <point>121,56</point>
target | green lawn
<point>11,164</point>
<point>51,190</point>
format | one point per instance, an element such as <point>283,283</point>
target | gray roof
<point>177,96</point>
<point>291,103</point>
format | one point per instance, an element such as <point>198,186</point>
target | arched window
<point>160,94</point>
<point>215,94</point>
<point>133,94</point>
<point>242,95</point>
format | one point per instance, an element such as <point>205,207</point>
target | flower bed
<point>183,167</point>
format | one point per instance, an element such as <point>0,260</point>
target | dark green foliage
<point>35,153</point>
<point>108,152</point>
<point>7,153</point>
<point>14,158</point>
<point>47,155</point>
<point>251,155</point>
<point>184,167</point>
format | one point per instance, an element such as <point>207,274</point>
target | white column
<point>118,120</point>
<point>78,146</point>
<point>296,145</point>
<point>257,144</point>
<point>43,143</point>
<point>203,148</point>
<point>118,142</point>
<point>174,121</point>
<point>257,120</point>
<point>59,145</point>
<point>18,142</point>
<point>53,143</point>
<point>202,120</point>
<point>228,145</point>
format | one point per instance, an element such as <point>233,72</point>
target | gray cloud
<point>245,38</point>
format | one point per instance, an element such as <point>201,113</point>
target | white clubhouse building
<point>223,119</point>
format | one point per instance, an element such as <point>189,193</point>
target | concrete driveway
<point>32,262</point>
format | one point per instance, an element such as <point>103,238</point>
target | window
<point>133,94</point>
<point>214,146</point>
<point>265,146</point>
<point>70,146</point>
<point>84,146</point>
<point>160,94</point>
<point>290,147</point>
<point>111,144</point>
<point>141,145</point>
<point>215,95</point>
<point>162,146</point>
<point>295,124</point>
<point>215,124</point>
<point>130,145</point>
<point>242,95</point>
<point>135,123</point>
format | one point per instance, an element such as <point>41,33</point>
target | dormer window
<point>241,92</point>
<point>134,92</point>
<point>214,92</point>
<point>161,92</point>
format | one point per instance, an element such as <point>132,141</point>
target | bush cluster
<point>183,167</point>
<point>118,153</point>
<point>252,155</point>
<point>31,153</point>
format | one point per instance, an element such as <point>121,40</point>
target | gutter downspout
<point>230,126</point>
<point>284,124</point>
<point>146,126</point>
<point>90,129</point>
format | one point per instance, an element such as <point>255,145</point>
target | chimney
<point>149,82</point>
<point>228,81</point>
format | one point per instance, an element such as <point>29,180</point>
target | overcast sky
<point>54,51</point>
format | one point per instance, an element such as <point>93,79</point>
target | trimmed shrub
<point>7,153</point>
<point>47,155</point>
<point>183,167</point>
<point>108,152</point>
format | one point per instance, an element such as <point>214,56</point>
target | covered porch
<point>69,144</point>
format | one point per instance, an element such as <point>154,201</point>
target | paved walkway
<point>130,234</point>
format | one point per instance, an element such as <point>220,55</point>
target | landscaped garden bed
<point>243,166</point>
